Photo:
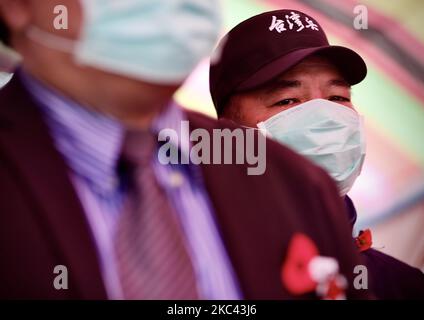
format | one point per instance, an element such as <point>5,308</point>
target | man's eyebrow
<point>282,84</point>
<point>339,83</point>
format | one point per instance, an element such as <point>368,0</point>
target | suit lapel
<point>42,173</point>
<point>251,231</point>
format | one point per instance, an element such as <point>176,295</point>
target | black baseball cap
<point>263,47</point>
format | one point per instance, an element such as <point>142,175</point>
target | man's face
<point>313,78</point>
<point>131,100</point>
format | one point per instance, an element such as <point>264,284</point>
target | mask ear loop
<point>262,129</point>
<point>247,127</point>
<point>50,40</point>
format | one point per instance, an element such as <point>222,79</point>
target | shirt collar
<point>174,118</point>
<point>89,141</point>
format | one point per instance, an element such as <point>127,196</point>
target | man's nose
<point>315,93</point>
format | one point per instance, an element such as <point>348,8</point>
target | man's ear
<point>16,15</point>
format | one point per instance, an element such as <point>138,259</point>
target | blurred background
<point>389,194</point>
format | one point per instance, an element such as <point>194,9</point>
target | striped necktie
<point>152,257</point>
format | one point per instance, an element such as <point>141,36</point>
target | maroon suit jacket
<point>42,223</point>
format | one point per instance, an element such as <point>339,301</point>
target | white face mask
<point>329,134</point>
<point>154,40</point>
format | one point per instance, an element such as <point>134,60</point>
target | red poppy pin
<point>364,240</point>
<point>304,270</point>
<point>295,272</point>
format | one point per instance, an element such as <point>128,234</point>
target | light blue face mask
<point>159,41</point>
<point>329,134</point>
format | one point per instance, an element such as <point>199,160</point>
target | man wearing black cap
<point>287,80</point>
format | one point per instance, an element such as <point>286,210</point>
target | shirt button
<point>176,179</point>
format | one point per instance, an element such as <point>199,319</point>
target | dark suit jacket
<point>389,278</point>
<point>42,223</point>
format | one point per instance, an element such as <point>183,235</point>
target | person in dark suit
<point>79,203</point>
<point>292,83</point>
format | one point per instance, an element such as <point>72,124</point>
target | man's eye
<point>339,98</point>
<point>286,102</point>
